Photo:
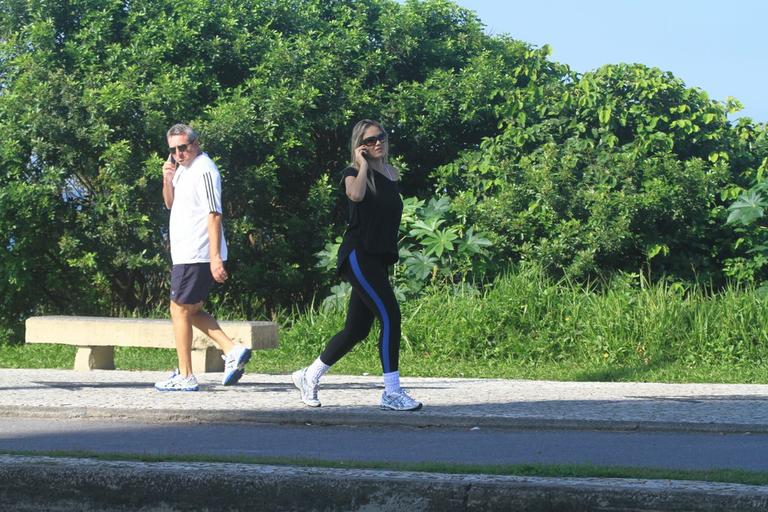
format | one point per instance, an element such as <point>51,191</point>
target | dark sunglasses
<point>181,148</point>
<point>371,141</point>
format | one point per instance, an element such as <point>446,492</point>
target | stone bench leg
<point>207,360</point>
<point>94,358</point>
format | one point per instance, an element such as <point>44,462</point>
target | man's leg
<point>236,356</point>
<point>206,323</point>
<point>181,317</point>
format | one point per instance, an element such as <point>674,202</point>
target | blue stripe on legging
<point>379,304</point>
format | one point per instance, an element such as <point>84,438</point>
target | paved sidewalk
<point>353,400</point>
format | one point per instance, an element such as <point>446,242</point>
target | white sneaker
<point>308,389</point>
<point>176,382</point>
<point>398,401</point>
<point>234,364</point>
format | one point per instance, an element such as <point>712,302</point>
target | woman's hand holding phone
<point>361,156</point>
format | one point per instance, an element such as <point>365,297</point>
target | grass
<point>538,470</point>
<point>523,326</point>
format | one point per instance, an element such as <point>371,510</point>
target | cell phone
<point>172,160</point>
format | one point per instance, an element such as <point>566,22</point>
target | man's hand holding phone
<point>169,169</point>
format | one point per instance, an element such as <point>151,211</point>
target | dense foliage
<point>623,166</point>
<point>587,174</point>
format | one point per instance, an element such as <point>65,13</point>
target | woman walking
<point>368,248</point>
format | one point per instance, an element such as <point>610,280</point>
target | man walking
<point>192,191</point>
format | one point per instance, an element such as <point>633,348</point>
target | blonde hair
<point>357,139</point>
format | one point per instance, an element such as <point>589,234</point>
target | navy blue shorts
<point>190,282</point>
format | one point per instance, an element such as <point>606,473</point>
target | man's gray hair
<point>183,129</point>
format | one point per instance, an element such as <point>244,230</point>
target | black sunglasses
<point>371,141</point>
<point>182,148</point>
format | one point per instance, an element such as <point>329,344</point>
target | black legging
<point>372,295</point>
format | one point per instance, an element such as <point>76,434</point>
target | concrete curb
<point>97,485</point>
<point>369,418</point>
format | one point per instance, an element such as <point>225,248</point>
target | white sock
<point>391,382</point>
<point>316,370</point>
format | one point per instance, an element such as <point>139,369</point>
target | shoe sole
<point>234,377</point>
<point>168,390</point>
<point>296,378</point>
<point>386,408</point>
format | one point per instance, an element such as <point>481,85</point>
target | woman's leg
<point>356,328</point>
<point>372,296</point>
<point>370,280</point>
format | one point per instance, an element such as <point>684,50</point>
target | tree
<point>607,171</point>
<point>90,86</point>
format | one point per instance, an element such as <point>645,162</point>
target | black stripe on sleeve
<point>209,192</point>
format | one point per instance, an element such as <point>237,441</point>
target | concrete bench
<point>96,338</point>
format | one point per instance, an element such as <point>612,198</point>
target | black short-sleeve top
<point>374,222</point>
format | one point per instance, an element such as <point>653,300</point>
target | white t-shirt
<point>196,193</point>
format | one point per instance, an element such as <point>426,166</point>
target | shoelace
<point>402,398</point>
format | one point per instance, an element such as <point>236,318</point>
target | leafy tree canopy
<point>89,87</point>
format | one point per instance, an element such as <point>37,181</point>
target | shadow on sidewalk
<point>206,387</point>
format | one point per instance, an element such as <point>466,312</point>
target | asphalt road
<point>671,450</point>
